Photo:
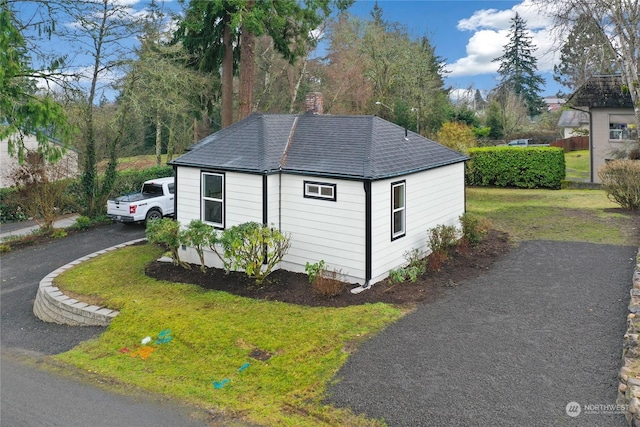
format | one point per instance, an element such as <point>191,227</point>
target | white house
<point>572,122</point>
<point>66,167</point>
<point>355,191</point>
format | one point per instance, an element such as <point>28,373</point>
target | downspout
<point>280,198</point>
<point>591,173</point>
<point>367,234</point>
<point>368,240</point>
<point>265,219</point>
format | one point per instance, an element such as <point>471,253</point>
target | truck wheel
<point>153,214</point>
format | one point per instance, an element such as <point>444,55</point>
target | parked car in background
<point>524,142</point>
<point>154,201</point>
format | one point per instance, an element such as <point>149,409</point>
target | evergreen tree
<point>21,111</point>
<point>518,67</point>
<point>585,53</point>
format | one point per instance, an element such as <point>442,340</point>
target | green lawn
<point>572,215</point>
<point>577,165</point>
<point>213,333</point>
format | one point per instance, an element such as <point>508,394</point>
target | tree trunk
<point>247,67</point>
<point>227,74</point>
<point>171,143</point>
<point>158,138</point>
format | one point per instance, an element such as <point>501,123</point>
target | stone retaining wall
<point>51,305</point>
<point>629,387</point>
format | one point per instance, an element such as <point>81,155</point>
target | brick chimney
<point>313,103</point>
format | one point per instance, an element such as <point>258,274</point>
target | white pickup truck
<point>154,201</point>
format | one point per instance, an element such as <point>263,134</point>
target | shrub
<point>58,233</point>
<point>4,248</point>
<point>82,222</point>
<point>473,229</point>
<point>621,181</point>
<point>327,283</point>
<point>198,235</point>
<point>530,167</point>
<point>442,238</point>
<point>166,232</point>
<point>10,210</point>
<point>314,270</point>
<point>254,248</point>
<point>436,259</point>
<point>416,266</point>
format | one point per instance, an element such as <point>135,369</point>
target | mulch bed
<point>294,288</point>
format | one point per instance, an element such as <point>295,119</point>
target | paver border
<point>629,387</point>
<point>52,306</point>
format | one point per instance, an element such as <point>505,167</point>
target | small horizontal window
<point>320,190</point>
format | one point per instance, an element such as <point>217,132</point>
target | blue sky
<point>468,34</point>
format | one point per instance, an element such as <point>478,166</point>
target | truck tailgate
<point>115,208</point>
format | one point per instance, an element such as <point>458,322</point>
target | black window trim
<point>224,197</point>
<point>320,184</point>
<point>404,216</point>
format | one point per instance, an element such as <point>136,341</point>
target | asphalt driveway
<point>512,347</point>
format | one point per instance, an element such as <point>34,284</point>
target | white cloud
<point>490,28</point>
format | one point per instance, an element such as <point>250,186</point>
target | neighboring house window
<point>622,127</point>
<point>213,199</point>
<point>398,210</point>
<point>320,190</point>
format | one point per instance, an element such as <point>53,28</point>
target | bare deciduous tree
<point>617,20</point>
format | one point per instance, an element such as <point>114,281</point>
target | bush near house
<point>523,167</point>
<point>621,181</point>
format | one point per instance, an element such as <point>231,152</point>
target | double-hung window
<point>213,199</point>
<point>398,210</point>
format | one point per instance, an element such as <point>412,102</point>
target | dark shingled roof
<point>602,91</point>
<point>353,147</point>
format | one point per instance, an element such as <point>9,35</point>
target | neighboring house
<point>66,167</point>
<point>553,103</point>
<point>572,122</point>
<point>355,191</point>
<point>612,120</point>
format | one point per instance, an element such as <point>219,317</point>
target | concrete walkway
<point>23,228</point>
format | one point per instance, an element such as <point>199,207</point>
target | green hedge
<point>523,167</point>
<point>130,180</point>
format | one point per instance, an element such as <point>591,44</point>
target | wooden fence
<point>572,144</point>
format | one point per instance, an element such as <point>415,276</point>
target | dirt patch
<point>294,288</point>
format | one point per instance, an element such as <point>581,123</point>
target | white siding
<point>243,203</point>
<point>333,231</point>
<point>273,204</point>
<point>602,145</point>
<point>243,198</point>
<point>433,197</point>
